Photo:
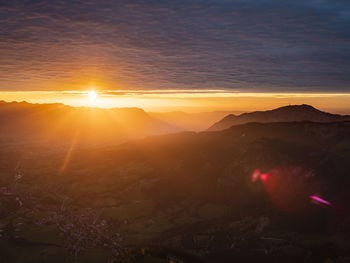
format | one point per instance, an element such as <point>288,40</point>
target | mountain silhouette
<point>22,121</point>
<point>289,113</point>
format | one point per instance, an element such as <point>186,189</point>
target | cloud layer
<point>244,45</point>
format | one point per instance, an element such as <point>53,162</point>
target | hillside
<point>189,196</point>
<point>289,113</point>
<point>25,122</point>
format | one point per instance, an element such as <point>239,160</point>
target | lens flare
<point>288,188</point>
<point>255,175</point>
<point>264,177</point>
<point>320,200</point>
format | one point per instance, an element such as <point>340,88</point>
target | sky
<point>245,46</point>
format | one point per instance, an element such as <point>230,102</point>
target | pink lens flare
<point>255,175</point>
<point>264,177</point>
<point>320,200</point>
<point>288,187</point>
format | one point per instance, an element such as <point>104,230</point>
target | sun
<point>92,95</point>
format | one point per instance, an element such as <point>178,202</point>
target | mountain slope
<point>191,192</point>
<point>57,122</point>
<point>289,113</point>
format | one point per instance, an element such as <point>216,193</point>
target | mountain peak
<point>289,113</point>
<point>297,107</point>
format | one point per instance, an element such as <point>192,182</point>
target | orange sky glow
<point>183,100</point>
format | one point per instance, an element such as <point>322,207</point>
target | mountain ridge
<point>288,113</point>
<point>23,121</point>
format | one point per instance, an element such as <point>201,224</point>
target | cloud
<point>241,45</point>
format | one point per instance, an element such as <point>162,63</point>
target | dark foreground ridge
<point>238,195</point>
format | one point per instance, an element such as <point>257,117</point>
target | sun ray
<point>71,148</point>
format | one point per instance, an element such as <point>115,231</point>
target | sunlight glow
<point>181,100</point>
<point>92,95</point>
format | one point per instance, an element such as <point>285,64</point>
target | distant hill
<point>289,113</point>
<point>22,121</point>
<point>190,121</point>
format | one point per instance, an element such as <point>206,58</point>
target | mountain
<point>22,121</point>
<point>189,192</point>
<point>289,113</point>
<point>241,194</point>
